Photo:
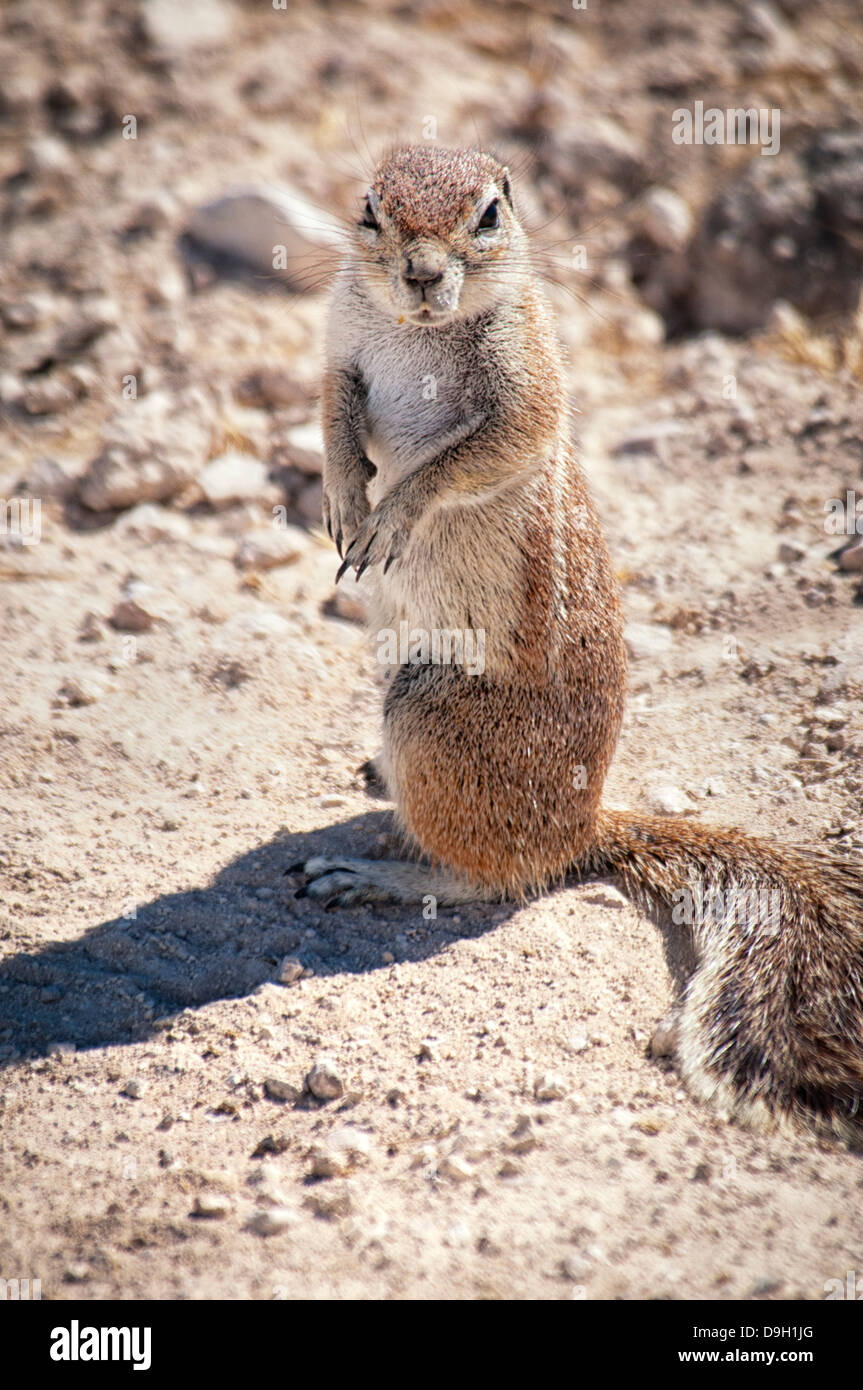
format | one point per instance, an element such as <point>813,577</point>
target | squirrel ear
<point>506,187</point>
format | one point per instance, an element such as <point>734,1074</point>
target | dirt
<point>499,1130</point>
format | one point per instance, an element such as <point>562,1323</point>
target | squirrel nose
<point>422,275</point>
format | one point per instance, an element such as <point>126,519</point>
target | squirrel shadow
<point>125,979</point>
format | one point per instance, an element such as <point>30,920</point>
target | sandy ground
<point>499,1131</point>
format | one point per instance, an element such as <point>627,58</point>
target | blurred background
<point>126,269</point>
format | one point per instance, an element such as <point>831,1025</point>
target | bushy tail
<point>771,1023</point>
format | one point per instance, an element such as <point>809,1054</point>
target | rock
<point>323,1081</point>
<point>274,231</point>
<point>47,396</point>
<point>327,1164</point>
<point>524,1137</point>
<point>647,640</point>
<point>290,970</point>
<point>345,603</point>
<point>510,1168</point>
<point>667,219</point>
<point>280,1090</point>
<point>153,449</point>
<point>852,556</point>
<point>271,388</point>
<point>551,1086</point>
<point>83,379</point>
<point>330,1203</point>
<point>268,549</point>
<point>669,800</point>
<point>790,553</point>
<point>212,1206</point>
<point>180,28</point>
<point>154,213</point>
<point>766,1284</point>
<point>129,616</point>
<point>91,629</point>
<point>11,388</point>
<point>83,331</point>
<point>47,155</point>
<point>650,437</point>
<point>272,1221</point>
<point>46,478</point>
<point>715,786</point>
<point>117,478</point>
<point>233,476</point>
<point>456,1168</point>
<point>265,624</point>
<point>271,1144</point>
<point>835,718</point>
<point>663,1040</point>
<point>306,445</point>
<point>61,1049</point>
<point>134,1088</point>
<point>150,522</point>
<point>576,1267</point>
<point>85,690</point>
<point>168,285</point>
<point>20,315</point>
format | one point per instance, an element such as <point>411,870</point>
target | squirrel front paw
<point>345,509</point>
<point>380,539</point>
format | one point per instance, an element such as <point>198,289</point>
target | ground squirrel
<point>451,483</point>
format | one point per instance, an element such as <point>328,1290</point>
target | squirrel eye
<point>489,218</point>
<point>368,218</point>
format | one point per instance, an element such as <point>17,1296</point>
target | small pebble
<point>550,1087</point>
<point>280,1090</point>
<point>212,1206</point>
<point>456,1168</point>
<point>669,800</point>
<point>129,616</point>
<point>330,1203</point>
<point>576,1268</point>
<point>290,970</point>
<point>272,1220</point>
<point>663,1041</point>
<point>323,1081</point>
<point>524,1137</point>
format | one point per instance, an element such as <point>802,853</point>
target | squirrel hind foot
<point>348,882</point>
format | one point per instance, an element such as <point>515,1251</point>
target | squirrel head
<point>439,238</point>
